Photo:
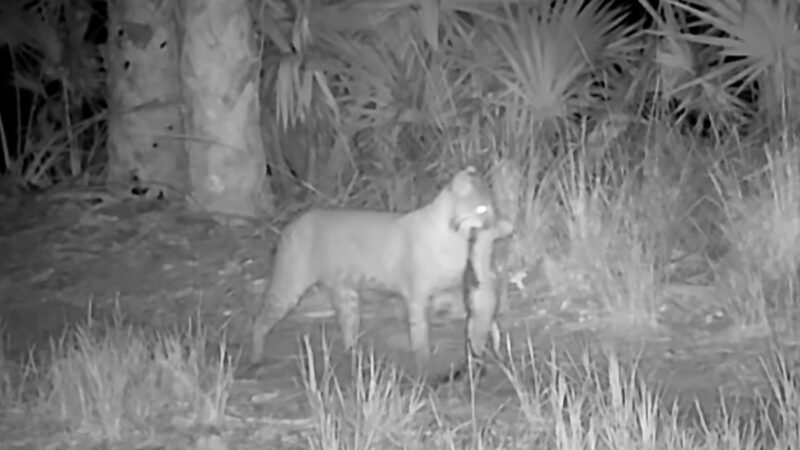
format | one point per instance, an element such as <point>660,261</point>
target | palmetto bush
<point>531,90</point>
<point>379,64</point>
<point>532,87</point>
<point>394,74</point>
<point>732,63</point>
<point>376,68</point>
<point>547,63</point>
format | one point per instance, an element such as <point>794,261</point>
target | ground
<point>70,256</point>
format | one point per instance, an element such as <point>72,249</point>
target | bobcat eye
<point>483,209</point>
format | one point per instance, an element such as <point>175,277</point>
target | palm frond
<point>546,57</point>
<point>755,42</point>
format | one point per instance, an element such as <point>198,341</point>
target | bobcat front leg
<point>419,329</point>
<point>346,303</point>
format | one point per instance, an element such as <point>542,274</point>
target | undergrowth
<point>115,383</point>
<point>613,241</point>
<point>109,381</point>
<point>671,233</point>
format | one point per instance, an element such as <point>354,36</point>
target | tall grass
<point>109,381</point>
<point>761,231</point>
<point>600,401</point>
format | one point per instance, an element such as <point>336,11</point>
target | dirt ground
<point>162,264</point>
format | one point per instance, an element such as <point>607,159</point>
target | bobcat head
<point>470,202</point>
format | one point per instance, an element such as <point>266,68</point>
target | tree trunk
<point>221,69</point>
<point>144,98</point>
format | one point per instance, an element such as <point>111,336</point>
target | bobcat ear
<point>462,183</point>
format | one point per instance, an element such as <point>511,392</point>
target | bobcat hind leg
<point>281,297</point>
<point>271,313</point>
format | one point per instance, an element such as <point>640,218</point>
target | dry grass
<point>111,382</point>
<point>118,384</point>
<point>597,402</point>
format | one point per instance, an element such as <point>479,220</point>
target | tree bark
<point>144,98</point>
<point>220,68</point>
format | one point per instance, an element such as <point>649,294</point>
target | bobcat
<point>481,288</point>
<point>416,255</point>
